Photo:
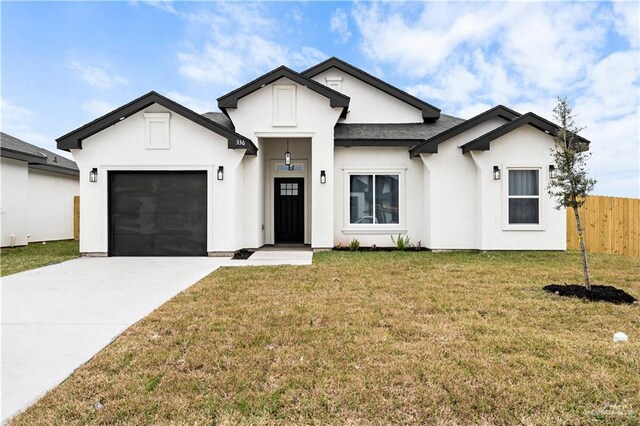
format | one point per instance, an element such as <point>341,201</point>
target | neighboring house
<point>367,161</point>
<point>36,194</point>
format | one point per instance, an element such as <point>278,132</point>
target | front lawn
<point>36,255</point>
<point>372,338</point>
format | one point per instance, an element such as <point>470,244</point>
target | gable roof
<point>431,146</point>
<point>429,112</point>
<point>483,142</point>
<point>73,140</point>
<point>336,99</point>
<point>391,134</point>
<point>36,157</point>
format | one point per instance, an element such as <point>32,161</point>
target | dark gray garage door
<point>158,213</point>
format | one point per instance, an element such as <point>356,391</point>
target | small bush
<point>354,245</point>
<point>402,243</point>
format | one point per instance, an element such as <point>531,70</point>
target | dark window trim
<point>430,146</point>
<point>483,142</point>
<point>336,99</point>
<point>377,142</point>
<point>73,139</point>
<point>429,112</point>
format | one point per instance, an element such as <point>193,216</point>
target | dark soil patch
<point>242,254</point>
<point>346,248</point>
<point>598,293</point>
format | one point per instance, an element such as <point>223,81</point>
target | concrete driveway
<point>56,318</point>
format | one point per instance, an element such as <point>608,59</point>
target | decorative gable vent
<point>284,105</point>
<point>156,130</point>
<point>335,83</point>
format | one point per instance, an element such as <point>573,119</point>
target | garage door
<point>158,213</point>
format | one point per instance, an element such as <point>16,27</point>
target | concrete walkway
<point>56,318</point>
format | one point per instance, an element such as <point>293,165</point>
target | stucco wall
<point>50,205</point>
<point>364,160</point>
<point>370,105</point>
<point>450,193</point>
<point>315,120</point>
<point>121,147</point>
<point>14,190</point>
<point>524,147</point>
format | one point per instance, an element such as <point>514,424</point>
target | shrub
<point>354,245</point>
<point>402,243</point>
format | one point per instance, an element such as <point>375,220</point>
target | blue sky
<point>66,63</point>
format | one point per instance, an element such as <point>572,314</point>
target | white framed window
<point>374,201</point>
<point>523,207</point>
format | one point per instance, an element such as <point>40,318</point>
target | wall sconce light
<point>496,173</point>
<point>220,173</point>
<point>93,175</point>
<point>553,173</point>
<point>323,176</point>
<point>287,156</point>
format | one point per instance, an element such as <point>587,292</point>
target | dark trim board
<point>22,156</point>
<point>483,142</point>
<point>336,99</point>
<point>377,142</point>
<point>429,112</point>
<point>73,139</point>
<point>430,146</point>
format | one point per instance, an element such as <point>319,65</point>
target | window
<point>524,197</point>
<point>285,168</point>
<point>288,189</point>
<point>373,199</point>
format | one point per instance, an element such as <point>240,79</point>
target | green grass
<point>372,338</point>
<point>36,255</point>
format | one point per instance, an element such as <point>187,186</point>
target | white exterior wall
<point>315,119</point>
<point>50,205</point>
<point>368,104</point>
<point>524,147</point>
<point>450,193</point>
<point>391,160</point>
<point>192,147</point>
<point>14,190</point>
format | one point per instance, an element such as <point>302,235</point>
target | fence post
<point>76,217</point>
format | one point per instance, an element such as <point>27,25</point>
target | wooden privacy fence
<point>76,217</point>
<point>611,225</point>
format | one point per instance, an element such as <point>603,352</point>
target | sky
<point>66,63</point>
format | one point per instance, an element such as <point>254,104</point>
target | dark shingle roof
<point>408,131</point>
<point>13,147</point>
<point>220,118</point>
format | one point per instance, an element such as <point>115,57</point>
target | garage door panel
<point>158,213</point>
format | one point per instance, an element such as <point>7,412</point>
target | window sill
<point>523,228</point>
<point>373,231</point>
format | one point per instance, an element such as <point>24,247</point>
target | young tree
<point>570,185</point>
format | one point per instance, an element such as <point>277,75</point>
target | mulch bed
<point>598,293</point>
<point>242,254</point>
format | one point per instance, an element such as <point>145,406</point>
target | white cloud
<point>18,121</point>
<point>97,76</point>
<point>197,105</point>
<point>339,24</point>
<point>241,41</point>
<point>97,107</point>
<point>627,21</point>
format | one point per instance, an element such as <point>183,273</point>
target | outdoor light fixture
<point>552,172</point>
<point>287,156</point>
<point>323,176</point>
<point>220,173</point>
<point>93,175</point>
<point>496,173</point>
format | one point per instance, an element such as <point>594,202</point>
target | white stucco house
<point>318,157</point>
<point>36,193</point>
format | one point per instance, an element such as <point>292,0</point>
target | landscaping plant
<point>354,245</point>
<point>571,183</point>
<point>402,243</point>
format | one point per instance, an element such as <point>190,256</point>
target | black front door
<point>288,202</point>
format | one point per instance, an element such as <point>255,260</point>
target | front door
<point>288,210</point>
